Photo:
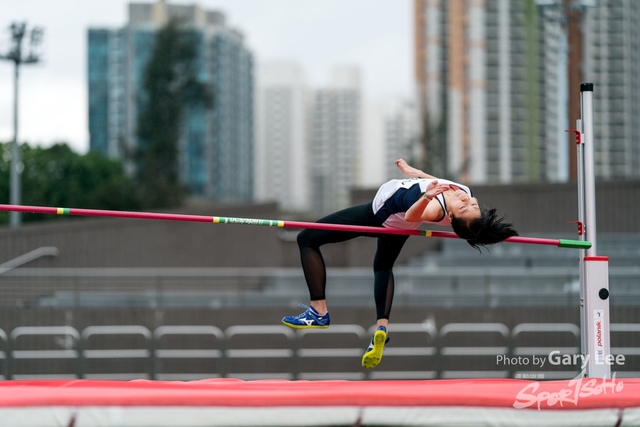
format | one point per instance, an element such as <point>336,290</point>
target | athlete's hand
<point>434,188</point>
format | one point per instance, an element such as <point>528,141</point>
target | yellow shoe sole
<point>303,327</point>
<point>373,357</point>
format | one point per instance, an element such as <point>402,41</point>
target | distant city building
<point>371,153</point>
<point>283,101</point>
<point>335,140</point>
<point>390,131</point>
<point>108,119</point>
<point>492,83</point>
<point>611,63</point>
<point>401,132</point>
<point>216,147</point>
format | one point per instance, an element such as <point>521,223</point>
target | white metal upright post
<point>586,110</point>
<point>594,274</point>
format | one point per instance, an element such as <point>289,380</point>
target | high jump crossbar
<point>561,243</point>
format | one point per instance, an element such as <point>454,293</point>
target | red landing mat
<point>279,402</point>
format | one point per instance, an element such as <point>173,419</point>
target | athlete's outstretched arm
<point>423,210</point>
<point>412,172</point>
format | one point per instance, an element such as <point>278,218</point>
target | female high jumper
<point>404,204</point>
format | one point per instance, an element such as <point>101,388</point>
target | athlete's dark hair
<point>487,229</point>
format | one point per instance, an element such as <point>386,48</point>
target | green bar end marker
<point>576,244</point>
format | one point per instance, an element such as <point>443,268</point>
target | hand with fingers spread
<point>434,188</point>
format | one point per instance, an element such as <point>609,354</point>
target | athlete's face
<point>463,206</point>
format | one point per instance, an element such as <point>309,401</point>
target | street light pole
<point>18,32</point>
<point>15,193</point>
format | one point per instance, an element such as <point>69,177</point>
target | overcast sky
<point>375,35</point>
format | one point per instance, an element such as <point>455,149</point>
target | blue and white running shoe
<point>373,354</point>
<point>308,320</point>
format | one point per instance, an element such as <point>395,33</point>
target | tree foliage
<point>59,177</point>
<point>170,85</point>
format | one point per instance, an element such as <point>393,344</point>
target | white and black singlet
<point>395,197</point>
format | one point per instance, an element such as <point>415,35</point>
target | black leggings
<point>389,247</point>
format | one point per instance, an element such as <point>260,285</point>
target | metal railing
<point>187,352</point>
<point>28,257</point>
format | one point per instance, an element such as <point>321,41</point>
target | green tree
<point>59,177</point>
<point>170,86</point>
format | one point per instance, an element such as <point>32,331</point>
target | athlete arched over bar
<point>405,204</point>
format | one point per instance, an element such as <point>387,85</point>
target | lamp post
<point>19,57</point>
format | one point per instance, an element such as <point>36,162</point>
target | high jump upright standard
<point>594,269</point>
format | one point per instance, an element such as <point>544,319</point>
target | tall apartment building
<point>106,73</point>
<point>371,153</point>
<point>390,130</point>
<point>489,75</point>
<point>335,140</point>
<point>400,124</point>
<point>283,103</point>
<point>612,60</point>
<point>216,147</point>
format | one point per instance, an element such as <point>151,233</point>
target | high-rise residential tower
<point>283,101</point>
<point>400,124</point>
<point>612,64</point>
<point>488,74</point>
<point>108,119</point>
<point>390,131</point>
<point>494,78</point>
<point>216,145</point>
<point>335,140</point>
